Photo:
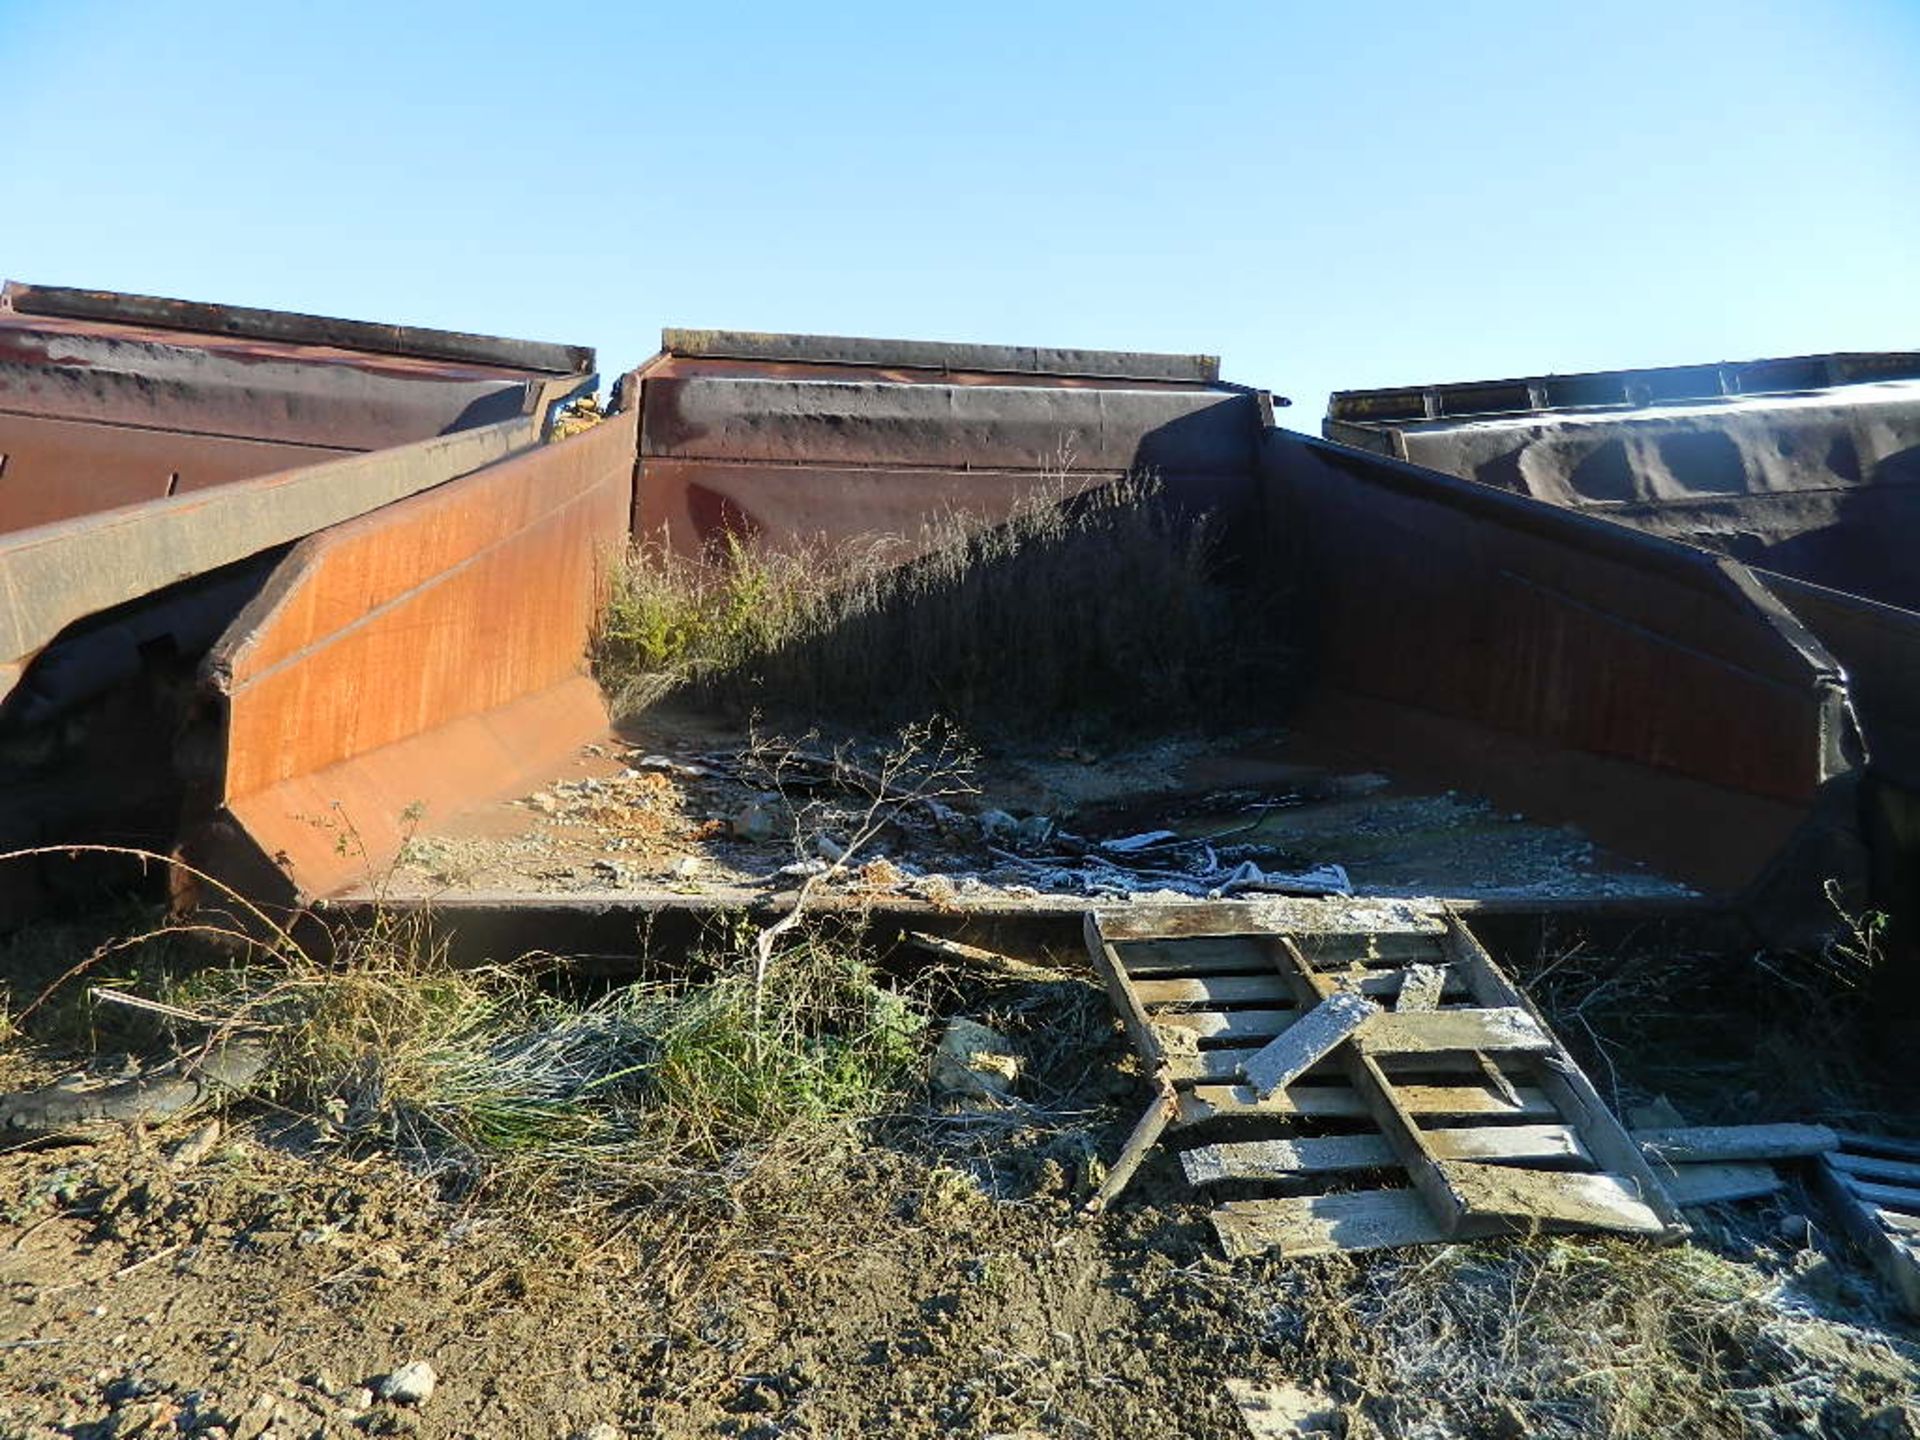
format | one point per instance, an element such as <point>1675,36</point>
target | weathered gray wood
<point>1892,1252</point>
<point>1339,1100</point>
<point>1509,1030</point>
<point>1567,1086</point>
<point>1261,989</point>
<point>1203,955</point>
<point>1719,1184</point>
<point>1859,1142</point>
<point>1336,949</point>
<point>1873,1167</point>
<point>1290,1159</point>
<point>1319,1224</point>
<point>1286,1159</point>
<point>1309,1040</point>
<point>1146,1133</point>
<point>1228,1024</point>
<point>1420,988</point>
<point>1704,1144</point>
<point>1532,1144</point>
<point>1888,1197</point>
<point>1120,991</point>
<point>1499,1199</point>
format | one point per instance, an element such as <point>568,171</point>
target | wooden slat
<point>1265,988</point>
<point>1498,1199</point>
<point>1339,1101</point>
<point>1285,1159</point>
<point>1568,1087</point>
<point>1308,1041</point>
<point>1397,948</point>
<point>1219,917</point>
<point>1892,1253</point>
<point>1211,955</point>
<point>1903,1173</point>
<point>1705,1144</point>
<point>1290,1159</point>
<point>1720,1184</point>
<point>1235,1024</point>
<point>1890,1197</point>
<point>1511,1143</point>
<point>1509,1030</point>
<point>1862,1143</point>
<point>1121,993</point>
<point>1319,1224</point>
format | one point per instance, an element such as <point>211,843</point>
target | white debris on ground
<point>707,821</point>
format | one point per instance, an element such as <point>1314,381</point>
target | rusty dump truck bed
<point>274,587</point>
<point>1806,469</point>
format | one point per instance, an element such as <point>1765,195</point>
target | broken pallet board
<point>1862,1183</point>
<point>1450,1081</point>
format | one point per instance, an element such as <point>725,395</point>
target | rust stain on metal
<point>472,597</point>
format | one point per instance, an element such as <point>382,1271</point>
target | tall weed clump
<point>1100,607</point>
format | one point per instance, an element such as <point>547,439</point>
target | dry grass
<point>1583,1338</point>
<point>1096,608</point>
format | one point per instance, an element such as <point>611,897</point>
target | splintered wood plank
<point>1289,1159</point>
<point>1515,1144</point>
<point>1208,955</point>
<point>1340,1101</point>
<point>1285,1159</point>
<point>1421,987</point>
<point>1265,988</point>
<point>1720,1183</point>
<point>1891,1249</point>
<point>1499,1199</point>
<point>1509,1030</point>
<point>1232,1024</point>
<point>1320,1224</point>
<point>1858,1142</point>
<point>1702,1144</point>
<point>1308,1041</point>
<point>1872,1167</point>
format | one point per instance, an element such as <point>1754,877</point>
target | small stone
<point>601,1431</point>
<point>411,1384</point>
<point>975,1062</point>
<point>754,824</point>
<point>196,1147</point>
<point>543,802</point>
<point>1795,1229</point>
<point>358,1399</point>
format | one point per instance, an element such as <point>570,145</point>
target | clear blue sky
<point>1327,194</point>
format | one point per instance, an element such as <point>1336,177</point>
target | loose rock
<point>411,1384</point>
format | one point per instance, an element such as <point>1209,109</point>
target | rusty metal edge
<point>113,307</point>
<point>1733,379</point>
<point>939,355</point>
<point>53,575</point>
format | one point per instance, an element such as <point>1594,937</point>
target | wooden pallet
<point>1873,1186</point>
<point>1451,1112</point>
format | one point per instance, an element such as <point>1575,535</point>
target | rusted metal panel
<point>53,575</point>
<point>936,355</point>
<point>287,327</point>
<point>1709,719</point>
<point>182,378</point>
<point>57,469</point>
<point>947,426</point>
<point>432,651</point>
